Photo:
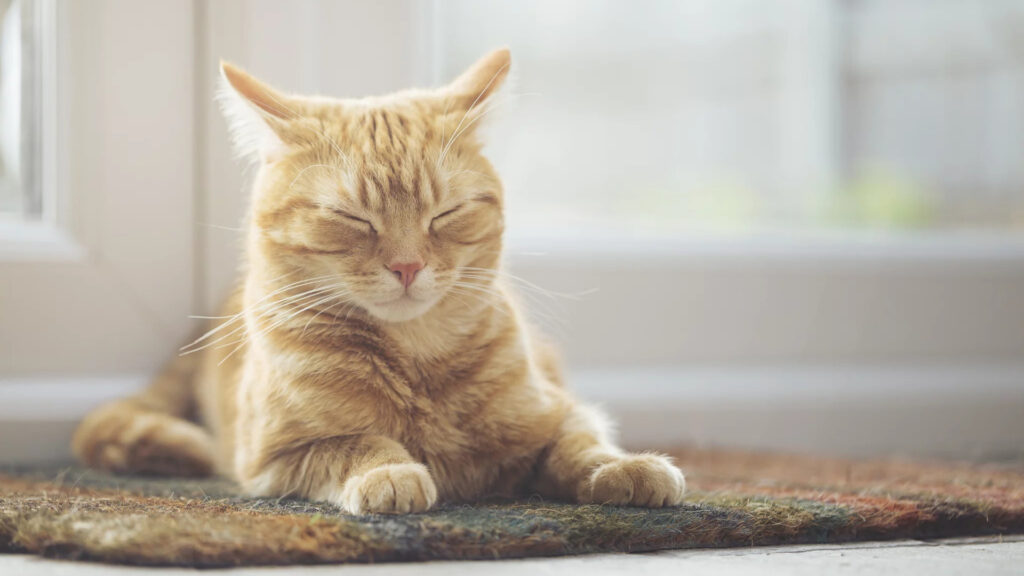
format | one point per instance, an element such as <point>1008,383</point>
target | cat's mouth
<point>404,298</point>
<point>404,307</point>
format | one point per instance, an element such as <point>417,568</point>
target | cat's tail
<point>149,433</point>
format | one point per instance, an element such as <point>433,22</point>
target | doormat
<point>734,499</point>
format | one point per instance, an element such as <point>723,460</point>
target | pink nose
<point>406,272</point>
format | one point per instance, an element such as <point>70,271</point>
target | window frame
<point>595,262</point>
<point>103,282</point>
<point>46,231</point>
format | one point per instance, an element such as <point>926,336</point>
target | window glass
<point>670,116</point>
<point>20,193</point>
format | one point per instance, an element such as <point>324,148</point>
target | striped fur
<point>328,380</point>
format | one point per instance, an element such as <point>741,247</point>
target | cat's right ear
<point>257,114</point>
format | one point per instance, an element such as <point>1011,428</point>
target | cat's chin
<point>400,310</point>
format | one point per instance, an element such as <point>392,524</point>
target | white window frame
<point>665,330</point>
<point>103,282</point>
<point>47,237</point>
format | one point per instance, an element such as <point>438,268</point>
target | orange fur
<point>334,381</point>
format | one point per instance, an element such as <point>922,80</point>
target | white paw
<point>636,480</point>
<point>390,489</point>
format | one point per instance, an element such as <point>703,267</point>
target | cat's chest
<point>456,414</point>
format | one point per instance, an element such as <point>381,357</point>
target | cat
<point>373,357</point>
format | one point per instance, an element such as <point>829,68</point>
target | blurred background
<point>784,224</point>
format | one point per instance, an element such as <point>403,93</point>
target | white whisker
<point>254,306</point>
<point>279,322</point>
<point>484,273</point>
<point>310,167</point>
<point>489,302</point>
<point>343,300</point>
<point>220,227</point>
<point>259,311</point>
<point>456,133</point>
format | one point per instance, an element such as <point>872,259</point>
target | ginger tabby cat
<point>372,357</point>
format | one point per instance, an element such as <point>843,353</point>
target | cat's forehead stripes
<point>382,187</point>
<point>390,158</point>
<point>384,133</point>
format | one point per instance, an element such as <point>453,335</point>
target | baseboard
<point>974,411</point>
<point>38,415</point>
<point>946,411</point>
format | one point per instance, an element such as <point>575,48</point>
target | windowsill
<point>853,246</point>
<point>28,241</point>
<point>928,409</point>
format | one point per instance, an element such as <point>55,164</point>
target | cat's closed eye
<point>443,217</point>
<point>355,221</point>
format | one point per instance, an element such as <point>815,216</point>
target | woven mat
<point>735,499</point>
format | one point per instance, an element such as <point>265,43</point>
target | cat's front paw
<point>390,489</point>
<point>636,480</point>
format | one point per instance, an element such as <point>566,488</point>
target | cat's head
<point>387,199</point>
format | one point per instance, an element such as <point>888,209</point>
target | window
<point>23,54</point>
<point>768,197</point>
<point>96,229</point>
<point>670,116</point>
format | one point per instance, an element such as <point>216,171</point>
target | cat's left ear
<point>257,114</point>
<point>474,88</point>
